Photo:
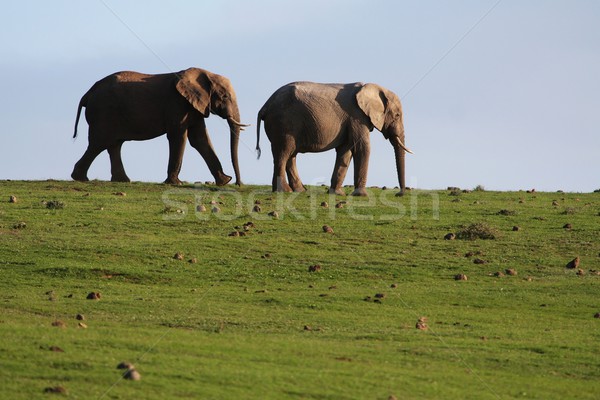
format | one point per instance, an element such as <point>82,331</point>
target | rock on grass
<point>94,296</point>
<point>56,390</point>
<point>327,229</point>
<point>574,263</point>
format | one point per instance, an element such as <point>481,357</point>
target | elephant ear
<point>371,101</point>
<point>195,85</point>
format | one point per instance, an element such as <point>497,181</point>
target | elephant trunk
<point>234,129</point>
<point>400,153</point>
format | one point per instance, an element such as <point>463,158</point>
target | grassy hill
<point>202,314</point>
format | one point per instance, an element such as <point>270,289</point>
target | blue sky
<point>503,94</point>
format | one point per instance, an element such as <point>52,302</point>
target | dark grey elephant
<point>307,117</point>
<point>134,106</point>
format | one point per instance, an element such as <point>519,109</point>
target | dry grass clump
<point>478,230</point>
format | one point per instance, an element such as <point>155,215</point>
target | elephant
<point>309,117</point>
<point>135,106</point>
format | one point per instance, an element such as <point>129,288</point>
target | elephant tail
<point>259,118</point>
<point>82,103</point>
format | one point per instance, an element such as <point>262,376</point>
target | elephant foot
<point>299,189</point>
<point>400,193</point>
<point>173,181</point>
<point>281,186</point>
<point>338,191</point>
<point>81,177</point>
<point>120,179</point>
<point>221,179</point>
<point>360,192</point>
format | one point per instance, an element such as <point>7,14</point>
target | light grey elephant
<point>307,117</point>
<point>134,106</point>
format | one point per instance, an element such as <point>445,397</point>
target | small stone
<point>56,349</point>
<point>273,214</point>
<point>178,256</point>
<point>340,204</point>
<point>201,208</point>
<point>554,203</point>
<point>20,225</point>
<point>327,229</point>
<point>125,365</point>
<point>307,328</point>
<point>193,260</point>
<point>12,199</point>
<point>574,263</point>
<point>498,274</point>
<point>121,194</point>
<point>56,389</point>
<point>266,255</point>
<point>479,261</point>
<point>511,271</point>
<point>324,204</point>
<point>80,317</point>
<point>234,233</point>
<point>450,236</point>
<point>132,374</point>
<point>242,233</point>
<point>257,202</point>
<point>460,277</point>
<point>82,325</point>
<point>528,278</point>
<point>314,268</point>
<point>59,324</point>
<point>215,210</point>
<point>422,324</point>
<point>567,226</point>
<point>394,285</point>
<point>249,225</point>
<point>94,296</point>
<point>580,272</point>
<point>597,315</point>
<point>256,208</point>
<point>380,295</point>
<point>516,228</point>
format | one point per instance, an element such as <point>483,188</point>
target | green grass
<point>248,320</point>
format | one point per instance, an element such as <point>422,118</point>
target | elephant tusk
<point>399,143</point>
<point>239,124</point>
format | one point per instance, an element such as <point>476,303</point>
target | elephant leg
<point>176,148</point>
<point>342,161</point>
<point>361,152</point>
<point>81,167</point>
<point>199,139</point>
<point>293,176</point>
<point>280,160</point>
<point>116,164</point>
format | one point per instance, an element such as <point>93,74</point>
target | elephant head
<point>213,94</point>
<point>384,110</point>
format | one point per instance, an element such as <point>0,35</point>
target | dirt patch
<point>478,230</point>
